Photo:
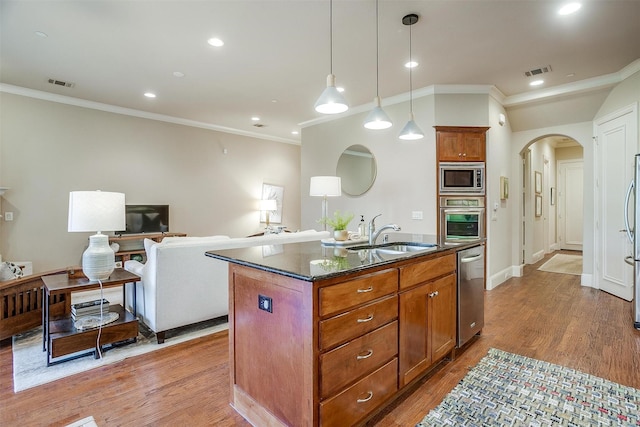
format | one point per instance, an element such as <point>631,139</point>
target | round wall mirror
<point>357,170</point>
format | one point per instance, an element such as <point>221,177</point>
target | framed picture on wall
<point>538,206</point>
<point>504,188</point>
<point>270,191</point>
<point>538,187</point>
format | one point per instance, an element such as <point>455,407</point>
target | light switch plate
<point>416,215</point>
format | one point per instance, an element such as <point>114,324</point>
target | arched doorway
<point>552,196</point>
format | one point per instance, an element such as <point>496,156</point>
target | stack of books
<point>89,308</point>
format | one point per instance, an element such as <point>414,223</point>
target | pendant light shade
<point>377,118</point>
<point>331,101</point>
<point>411,131</point>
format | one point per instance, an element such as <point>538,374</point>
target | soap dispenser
<point>362,228</point>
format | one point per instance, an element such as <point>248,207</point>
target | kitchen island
<point>329,335</point>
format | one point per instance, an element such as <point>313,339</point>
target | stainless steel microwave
<point>458,178</point>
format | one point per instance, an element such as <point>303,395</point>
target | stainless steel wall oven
<point>461,219</point>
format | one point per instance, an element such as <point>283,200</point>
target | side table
<point>60,337</point>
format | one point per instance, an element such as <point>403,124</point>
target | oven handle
<point>464,210</point>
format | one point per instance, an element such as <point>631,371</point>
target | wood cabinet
<point>334,351</point>
<point>427,326</point>
<point>126,252</point>
<point>461,144</point>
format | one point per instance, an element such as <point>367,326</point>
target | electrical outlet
<point>416,215</point>
<point>8,216</point>
<point>265,303</point>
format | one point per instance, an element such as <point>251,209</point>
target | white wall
<point>48,149</point>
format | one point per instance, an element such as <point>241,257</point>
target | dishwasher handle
<point>471,258</point>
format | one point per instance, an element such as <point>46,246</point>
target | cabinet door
<point>442,316</point>
<point>413,348</point>
<point>473,147</point>
<point>449,146</point>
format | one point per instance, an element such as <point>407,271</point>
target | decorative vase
<point>340,235</point>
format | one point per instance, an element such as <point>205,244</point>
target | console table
<point>60,337</point>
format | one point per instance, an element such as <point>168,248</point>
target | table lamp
<point>267,206</point>
<point>325,186</point>
<point>97,211</point>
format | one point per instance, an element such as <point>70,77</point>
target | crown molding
<point>77,102</point>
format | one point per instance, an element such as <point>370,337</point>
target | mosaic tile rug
<point>506,389</point>
<point>30,362</point>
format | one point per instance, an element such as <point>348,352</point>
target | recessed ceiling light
<point>178,74</point>
<point>150,95</point>
<point>571,75</point>
<point>340,89</point>
<point>41,34</point>
<point>294,132</point>
<point>216,42</point>
<point>569,8</point>
<point>274,100</point>
<point>255,118</point>
<point>536,83</point>
<point>411,64</point>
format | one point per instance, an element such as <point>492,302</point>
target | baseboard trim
<point>504,275</point>
<point>587,280</point>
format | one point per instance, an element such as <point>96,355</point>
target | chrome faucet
<point>373,234</point>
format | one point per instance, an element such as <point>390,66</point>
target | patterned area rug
<point>506,389</point>
<point>563,263</point>
<point>30,362</point>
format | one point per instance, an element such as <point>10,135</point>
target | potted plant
<point>339,223</point>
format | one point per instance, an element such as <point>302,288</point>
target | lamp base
<point>98,261</point>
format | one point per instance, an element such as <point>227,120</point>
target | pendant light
<point>410,131</point>
<point>331,101</point>
<point>377,118</point>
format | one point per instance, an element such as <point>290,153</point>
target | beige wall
<point>48,149</point>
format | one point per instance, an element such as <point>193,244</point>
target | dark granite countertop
<point>311,261</point>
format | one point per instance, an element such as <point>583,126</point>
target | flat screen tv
<point>147,219</point>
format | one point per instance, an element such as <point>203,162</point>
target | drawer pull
<point>367,355</point>
<point>433,294</point>
<point>369,318</point>
<point>369,289</point>
<point>366,399</point>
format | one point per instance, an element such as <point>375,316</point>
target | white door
<point>616,145</point>
<point>570,205</point>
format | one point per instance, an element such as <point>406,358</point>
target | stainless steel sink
<point>397,248</point>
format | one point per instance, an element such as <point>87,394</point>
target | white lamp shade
<point>268,205</point>
<point>96,211</point>
<point>325,186</point>
<point>377,118</point>
<point>411,131</point>
<point>331,101</point>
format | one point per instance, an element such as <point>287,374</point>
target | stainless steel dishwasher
<point>470,293</point>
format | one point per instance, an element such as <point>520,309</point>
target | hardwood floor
<point>546,316</point>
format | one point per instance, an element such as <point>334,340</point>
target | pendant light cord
<point>377,52</point>
<point>331,36</point>
<point>410,73</point>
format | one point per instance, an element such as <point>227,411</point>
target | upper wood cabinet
<point>461,143</point>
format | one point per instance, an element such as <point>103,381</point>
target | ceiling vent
<point>61,83</point>
<point>537,71</point>
<point>259,125</point>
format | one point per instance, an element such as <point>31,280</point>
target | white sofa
<point>181,285</point>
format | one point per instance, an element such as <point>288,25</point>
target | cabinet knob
<point>464,154</point>
<point>433,294</point>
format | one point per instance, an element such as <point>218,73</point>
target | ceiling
<point>276,55</point>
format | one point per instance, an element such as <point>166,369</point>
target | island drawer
<point>357,401</point>
<point>421,272</point>
<point>344,327</point>
<point>341,297</point>
<point>341,366</point>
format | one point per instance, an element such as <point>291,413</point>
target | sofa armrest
<point>135,267</point>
